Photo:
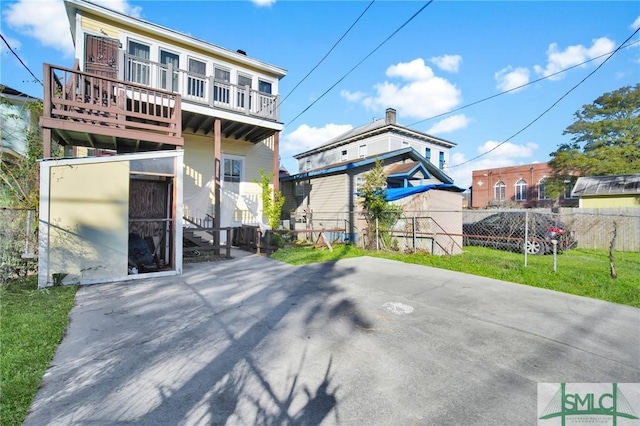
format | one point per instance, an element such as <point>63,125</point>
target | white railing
<point>201,89</point>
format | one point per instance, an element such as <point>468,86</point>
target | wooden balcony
<point>85,109</point>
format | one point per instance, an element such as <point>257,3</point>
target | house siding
<point>94,24</point>
<point>198,171</point>
<point>329,197</point>
<point>610,201</point>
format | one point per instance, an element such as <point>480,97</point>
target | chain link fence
<point>18,243</point>
<point>447,232</point>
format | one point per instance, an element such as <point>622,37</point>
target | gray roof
<point>399,154</point>
<point>375,127</point>
<point>607,185</point>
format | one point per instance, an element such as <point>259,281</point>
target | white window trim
<point>266,80</point>
<point>344,155</point>
<point>541,183</point>
<point>521,195</point>
<point>362,151</point>
<point>232,157</point>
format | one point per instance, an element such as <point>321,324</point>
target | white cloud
<point>449,63</point>
<point>509,78</point>
<point>306,137</point>
<point>636,24</point>
<point>507,154</point>
<point>352,96</point>
<point>47,22</point>
<point>449,124</point>
<point>423,95</point>
<point>263,3</point>
<point>573,55</point>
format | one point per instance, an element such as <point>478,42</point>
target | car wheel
<point>535,247</point>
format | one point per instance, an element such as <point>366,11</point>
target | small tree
<point>272,201</point>
<point>376,208</point>
<point>19,192</point>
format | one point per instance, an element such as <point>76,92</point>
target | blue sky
<point>451,54</point>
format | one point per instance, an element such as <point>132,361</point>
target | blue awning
<point>399,193</point>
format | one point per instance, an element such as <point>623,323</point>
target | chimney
<point>390,116</point>
<point>242,52</point>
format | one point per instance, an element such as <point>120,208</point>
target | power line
<point>361,61</point>
<point>327,54</point>
<point>19,59</point>
<point>522,85</point>
<point>552,105</point>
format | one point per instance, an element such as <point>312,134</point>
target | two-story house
<point>188,124</point>
<point>378,137</point>
<point>329,176</point>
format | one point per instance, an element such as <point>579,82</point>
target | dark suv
<point>506,231</point>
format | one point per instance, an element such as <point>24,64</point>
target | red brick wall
<point>483,186</point>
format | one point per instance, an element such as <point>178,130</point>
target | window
<point>300,189</point>
<point>568,188</point>
<point>138,66</point>
<point>308,164</point>
<point>343,155</point>
<point>168,60</point>
<point>264,86</point>
<point>197,78</point>
<point>359,183</point>
<point>362,151</point>
<point>542,190</point>
<point>521,190</point>
<point>221,84</point>
<point>244,83</point>
<point>441,160</point>
<point>232,169</point>
<point>427,153</point>
<point>499,191</point>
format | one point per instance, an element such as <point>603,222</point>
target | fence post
<point>526,236</point>
<point>377,240</point>
<point>228,243</point>
<point>555,254</point>
<point>413,226</point>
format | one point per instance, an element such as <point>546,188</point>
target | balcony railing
<point>80,101</point>
<point>200,88</point>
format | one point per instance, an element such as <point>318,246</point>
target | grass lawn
<point>581,272</point>
<point>32,323</point>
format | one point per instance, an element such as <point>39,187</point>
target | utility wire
<point>552,105</point>
<point>522,85</point>
<point>361,61</point>
<point>327,54</point>
<point>19,59</point>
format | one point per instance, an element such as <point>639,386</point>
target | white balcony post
<point>212,84</point>
<point>247,99</point>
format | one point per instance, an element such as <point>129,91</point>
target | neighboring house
<point>378,137</point>
<point>328,197</point>
<point>522,186</point>
<point>608,191</point>
<point>17,118</point>
<point>187,125</point>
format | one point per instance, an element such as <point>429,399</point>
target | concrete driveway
<point>360,341</point>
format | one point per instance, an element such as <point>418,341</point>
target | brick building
<point>515,186</point>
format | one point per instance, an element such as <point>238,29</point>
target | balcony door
<point>101,56</point>
<point>139,67</point>
<point>170,63</point>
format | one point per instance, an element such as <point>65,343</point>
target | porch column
<point>217,142</point>
<point>276,161</point>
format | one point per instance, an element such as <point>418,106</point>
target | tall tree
<point>606,138</point>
